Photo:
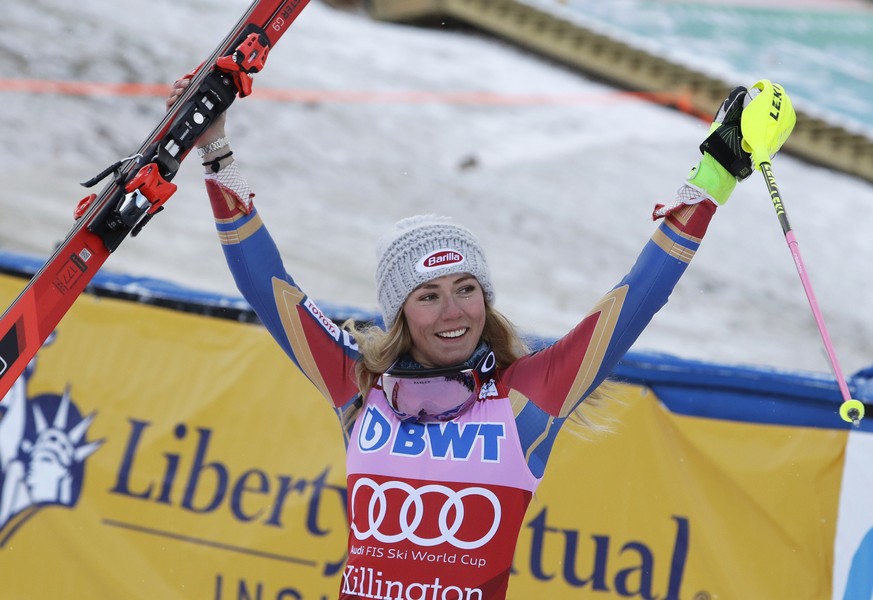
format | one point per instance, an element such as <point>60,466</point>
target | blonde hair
<point>380,349</point>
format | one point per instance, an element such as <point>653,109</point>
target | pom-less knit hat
<point>422,248</point>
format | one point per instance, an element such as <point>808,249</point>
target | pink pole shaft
<point>819,320</point>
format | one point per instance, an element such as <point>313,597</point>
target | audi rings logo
<point>408,526</point>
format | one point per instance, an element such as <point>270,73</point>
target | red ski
<point>140,184</point>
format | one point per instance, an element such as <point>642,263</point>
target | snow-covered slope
<point>557,174</point>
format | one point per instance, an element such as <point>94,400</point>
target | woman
<point>448,419</point>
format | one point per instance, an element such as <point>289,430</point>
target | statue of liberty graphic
<point>42,453</point>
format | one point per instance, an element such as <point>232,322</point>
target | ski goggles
<point>433,395</point>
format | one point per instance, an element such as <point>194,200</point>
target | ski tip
<point>852,411</point>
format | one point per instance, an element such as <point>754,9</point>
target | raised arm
<point>320,348</point>
<point>550,384</point>
<point>561,376</point>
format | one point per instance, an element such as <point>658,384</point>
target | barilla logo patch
<point>439,259</point>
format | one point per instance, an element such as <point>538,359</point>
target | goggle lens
<point>434,395</point>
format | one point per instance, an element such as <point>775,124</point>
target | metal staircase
<point>626,67</point>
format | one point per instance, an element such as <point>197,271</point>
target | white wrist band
<point>212,146</point>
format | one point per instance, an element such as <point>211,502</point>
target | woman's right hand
<point>215,131</point>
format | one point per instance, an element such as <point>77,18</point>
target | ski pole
<point>766,123</point>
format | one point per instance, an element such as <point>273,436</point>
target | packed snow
<point>370,122</point>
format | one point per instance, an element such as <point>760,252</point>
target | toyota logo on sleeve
<point>451,518</point>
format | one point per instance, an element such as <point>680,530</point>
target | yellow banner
<point>672,507</point>
<point>210,468</point>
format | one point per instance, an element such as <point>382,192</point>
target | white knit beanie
<point>419,249</point>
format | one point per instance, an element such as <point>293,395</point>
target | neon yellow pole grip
<point>767,122</point>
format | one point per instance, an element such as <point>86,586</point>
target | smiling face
<point>446,317</point>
